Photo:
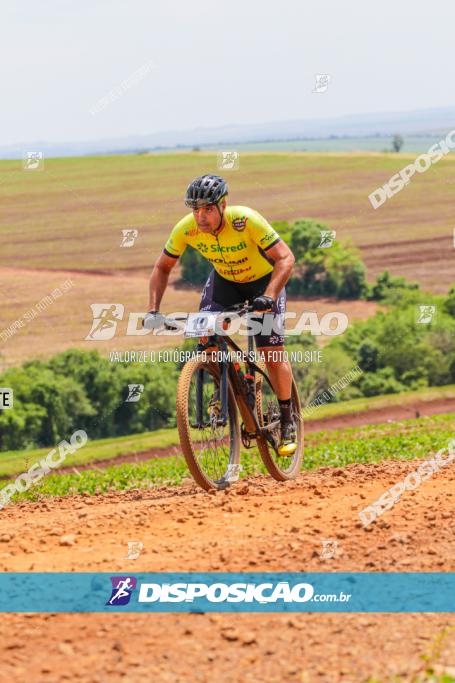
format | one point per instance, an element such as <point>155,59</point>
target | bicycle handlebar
<point>242,308</point>
<point>239,309</point>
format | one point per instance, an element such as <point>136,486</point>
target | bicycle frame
<point>228,371</point>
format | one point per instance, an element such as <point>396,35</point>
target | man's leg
<point>271,345</point>
<point>279,370</point>
<point>270,342</point>
<point>280,373</point>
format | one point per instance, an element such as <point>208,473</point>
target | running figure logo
<point>425,314</point>
<point>134,550</point>
<point>134,392</point>
<point>33,161</point>
<point>329,549</point>
<point>105,318</point>
<point>129,237</point>
<point>228,161</point>
<point>122,587</point>
<point>327,238</point>
<point>322,83</point>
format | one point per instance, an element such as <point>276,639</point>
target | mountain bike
<point>213,390</point>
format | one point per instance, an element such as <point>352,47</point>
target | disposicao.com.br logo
<point>266,592</point>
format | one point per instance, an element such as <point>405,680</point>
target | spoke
<point>212,442</point>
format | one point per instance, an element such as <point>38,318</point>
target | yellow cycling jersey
<point>239,251</point>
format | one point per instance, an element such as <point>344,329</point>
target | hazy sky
<point>217,63</point>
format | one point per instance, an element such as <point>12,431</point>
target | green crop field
<point>96,451</point>
<point>407,440</point>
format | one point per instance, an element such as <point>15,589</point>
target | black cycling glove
<point>263,303</point>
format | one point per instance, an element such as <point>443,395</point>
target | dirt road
<point>258,525</point>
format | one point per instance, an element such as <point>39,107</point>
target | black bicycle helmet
<point>204,190</point>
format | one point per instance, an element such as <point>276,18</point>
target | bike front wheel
<point>211,450</point>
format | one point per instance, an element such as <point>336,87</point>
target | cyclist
<point>250,261</point>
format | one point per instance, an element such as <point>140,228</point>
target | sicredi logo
<point>6,398</point>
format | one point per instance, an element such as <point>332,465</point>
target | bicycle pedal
<point>247,437</point>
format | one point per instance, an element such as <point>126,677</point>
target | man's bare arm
<point>159,279</point>
<point>282,269</point>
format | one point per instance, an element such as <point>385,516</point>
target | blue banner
<point>227,592</point>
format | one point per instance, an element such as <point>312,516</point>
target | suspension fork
<point>250,368</point>
<point>223,384</point>
<point>223,396</point>
<point>223,391</point>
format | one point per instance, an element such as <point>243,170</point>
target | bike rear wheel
<point>282,468</point>
<point>212,451</point>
